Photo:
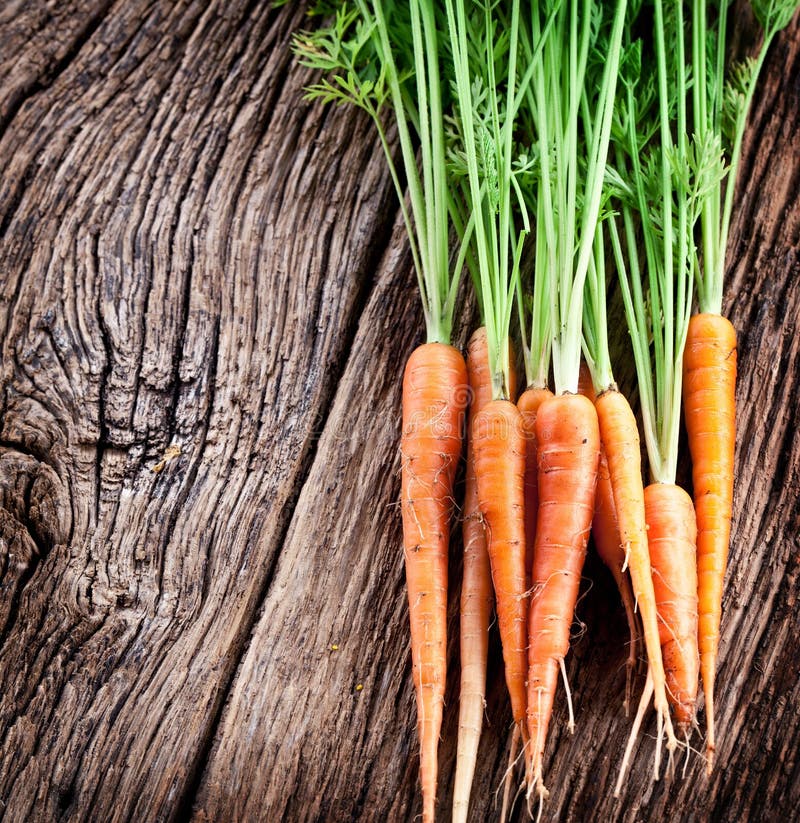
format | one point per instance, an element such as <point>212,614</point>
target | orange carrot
<point>608,542</point>
<point>528,404</point>
<point>569,451</point>
<point>499,444</point>
<point>709,394</point>
<point>476,592</point>
<point>672,536</point>
<point>620,489</point>
<point>434,402</point>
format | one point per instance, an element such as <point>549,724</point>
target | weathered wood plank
<point>190,255</point>
<point>156,291</point>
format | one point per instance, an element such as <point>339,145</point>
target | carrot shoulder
<point>568,453</point>
<point>709,397</point>
<point>434,402</point>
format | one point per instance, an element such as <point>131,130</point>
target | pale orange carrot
<point>709,399</point>
<point>499,444</point>
<point>568,441</point>
<point>672,536</point>
<point>476,592</point>
<point>434,403</point>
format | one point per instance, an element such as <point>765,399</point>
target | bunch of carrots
<point>566,146</point>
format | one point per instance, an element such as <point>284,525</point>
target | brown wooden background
<point>191,256</point>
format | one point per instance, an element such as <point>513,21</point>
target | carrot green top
<point>662,174</point>
<point>675,123</point>
<point>485,161</point>
<point>720,108</point>
<point>386,55</point>
<point>574,47</point>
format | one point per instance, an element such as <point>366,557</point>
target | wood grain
<point>192,257</point>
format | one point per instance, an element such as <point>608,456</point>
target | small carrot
<point>569,451</point>
<point>672,536</point>
<point>528,405</point>
<point>476,591</point>
<point>499,447</point>
<point>434,402</point>
<point>608,542</point>
<point>709,400</point>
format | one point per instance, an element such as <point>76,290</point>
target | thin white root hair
<point>644,703</point>
<point>571,723</point>
<point>537,784</point>
<point>688,752</point>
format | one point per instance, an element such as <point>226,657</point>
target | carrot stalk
<point>709,397</point>
<point>434,402</point>
<point>483,128</point>
<point>476,594</point>
<point>569,451</point>
<point>710,359</point>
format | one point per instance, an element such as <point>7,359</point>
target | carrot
<point>620,493</point>
<point>476,592</point>
<point>434,402</point>
<point>528,405</point>
<point>499,447</point>
<point>569,451</point>
<point>620,438</point>
<point>672,536</point>
<point>709,399</point>
<point>572,148</point>
<point>710,356</point>
<point>608,542</point>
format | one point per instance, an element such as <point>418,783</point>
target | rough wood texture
<point>191,257</point>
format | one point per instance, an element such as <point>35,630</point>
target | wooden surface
<point>192,257</point>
